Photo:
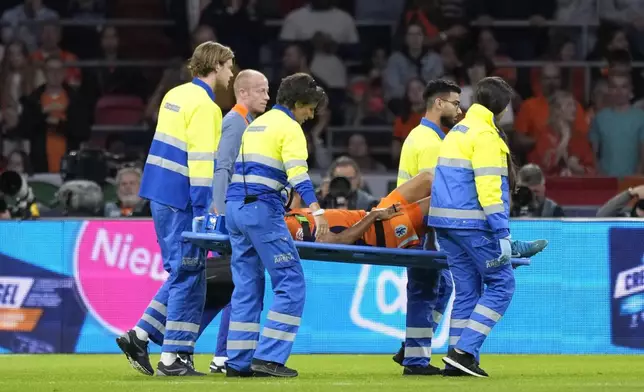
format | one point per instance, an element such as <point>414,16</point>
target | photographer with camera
<point>618,206</point>
<point>529,199</point>
<point>343,188</point>
<point>17,196</point>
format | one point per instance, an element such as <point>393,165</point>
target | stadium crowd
<point>372,57</point>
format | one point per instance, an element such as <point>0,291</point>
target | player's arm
<point>202,135</point>
<point>355,232</point>
<point>227,151</point>
<point>488,175</point>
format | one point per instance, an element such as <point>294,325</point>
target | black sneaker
<point>273,369</point>
<point>451,372</point>
<point>399,357</point>
<point>136,351</point>
<point>230,372</point>
<point>216,369</point>
<point>428,370</point>
<point>464,362</point>
<point>178,368</point>
<point>186,359</point>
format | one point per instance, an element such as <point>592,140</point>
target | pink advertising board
<point>118,269</point>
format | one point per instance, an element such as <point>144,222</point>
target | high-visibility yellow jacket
<point>420,150</point>
<point>272,158</point>
<point>181,163</point>
<point>471,188</point>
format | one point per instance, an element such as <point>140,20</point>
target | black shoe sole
<point>450,361</point>
<point>263,371</point>
<point>122,343</point>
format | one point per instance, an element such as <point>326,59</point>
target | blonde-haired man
<point>177,180</point>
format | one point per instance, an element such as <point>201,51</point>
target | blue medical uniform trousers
<point>473,257</point>
<point>260,240</point>
<point>172,318</point>
<point>428,293</point>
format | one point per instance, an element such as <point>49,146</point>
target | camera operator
<point>17,196</point>
<point>128,181</point>
<point>80,198</point>
<point>529,199</point>
<point>343,189</point>
<point>618,205</point>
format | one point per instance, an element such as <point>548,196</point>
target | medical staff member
<point>470,211</point>
<point>272,157</point>
<point>177,179</point>
<point>251,94</point>
<point>425,303</point>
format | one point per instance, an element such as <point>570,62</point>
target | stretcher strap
<point>380,234</point>
<point>306,226</point>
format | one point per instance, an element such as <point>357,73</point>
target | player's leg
<point>498,277</point>
<point>151,326</point>
<point>281,259</point>
<point>422,294</point>
<point>467,285</point>
<point>187,294</point>
<point>248,295</point>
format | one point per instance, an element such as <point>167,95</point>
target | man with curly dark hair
<point>272,157</point>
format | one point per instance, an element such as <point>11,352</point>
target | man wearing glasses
<point>428,291</point>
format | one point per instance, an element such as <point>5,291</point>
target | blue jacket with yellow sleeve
<point>181,163</point>
<point>272,157</point>
<point>420,150</point>
<point>471,188</point>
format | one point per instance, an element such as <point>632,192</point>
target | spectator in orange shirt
<point>559,150</point>
<point>412,112</point>
<point>50,38</point>
<point>534,112</point>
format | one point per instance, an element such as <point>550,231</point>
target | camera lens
<point>523,196</point>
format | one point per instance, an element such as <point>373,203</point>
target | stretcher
<point>334,253</point>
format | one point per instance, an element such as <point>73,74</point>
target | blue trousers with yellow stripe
<point>473,261</point>
<point>260,240</point>
<point>172,319</point>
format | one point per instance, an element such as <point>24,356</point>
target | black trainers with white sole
<point>464,362</point>
<point>178,368</point>
<point>260,367</point>
<point>136,352</point>
<point>187,359</point>
<point>216,369</point>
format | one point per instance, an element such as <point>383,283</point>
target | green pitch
<point>354,373</point>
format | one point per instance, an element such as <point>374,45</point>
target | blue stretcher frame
<point>351,254</point>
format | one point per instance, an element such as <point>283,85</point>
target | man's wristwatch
<point>318,212</point>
